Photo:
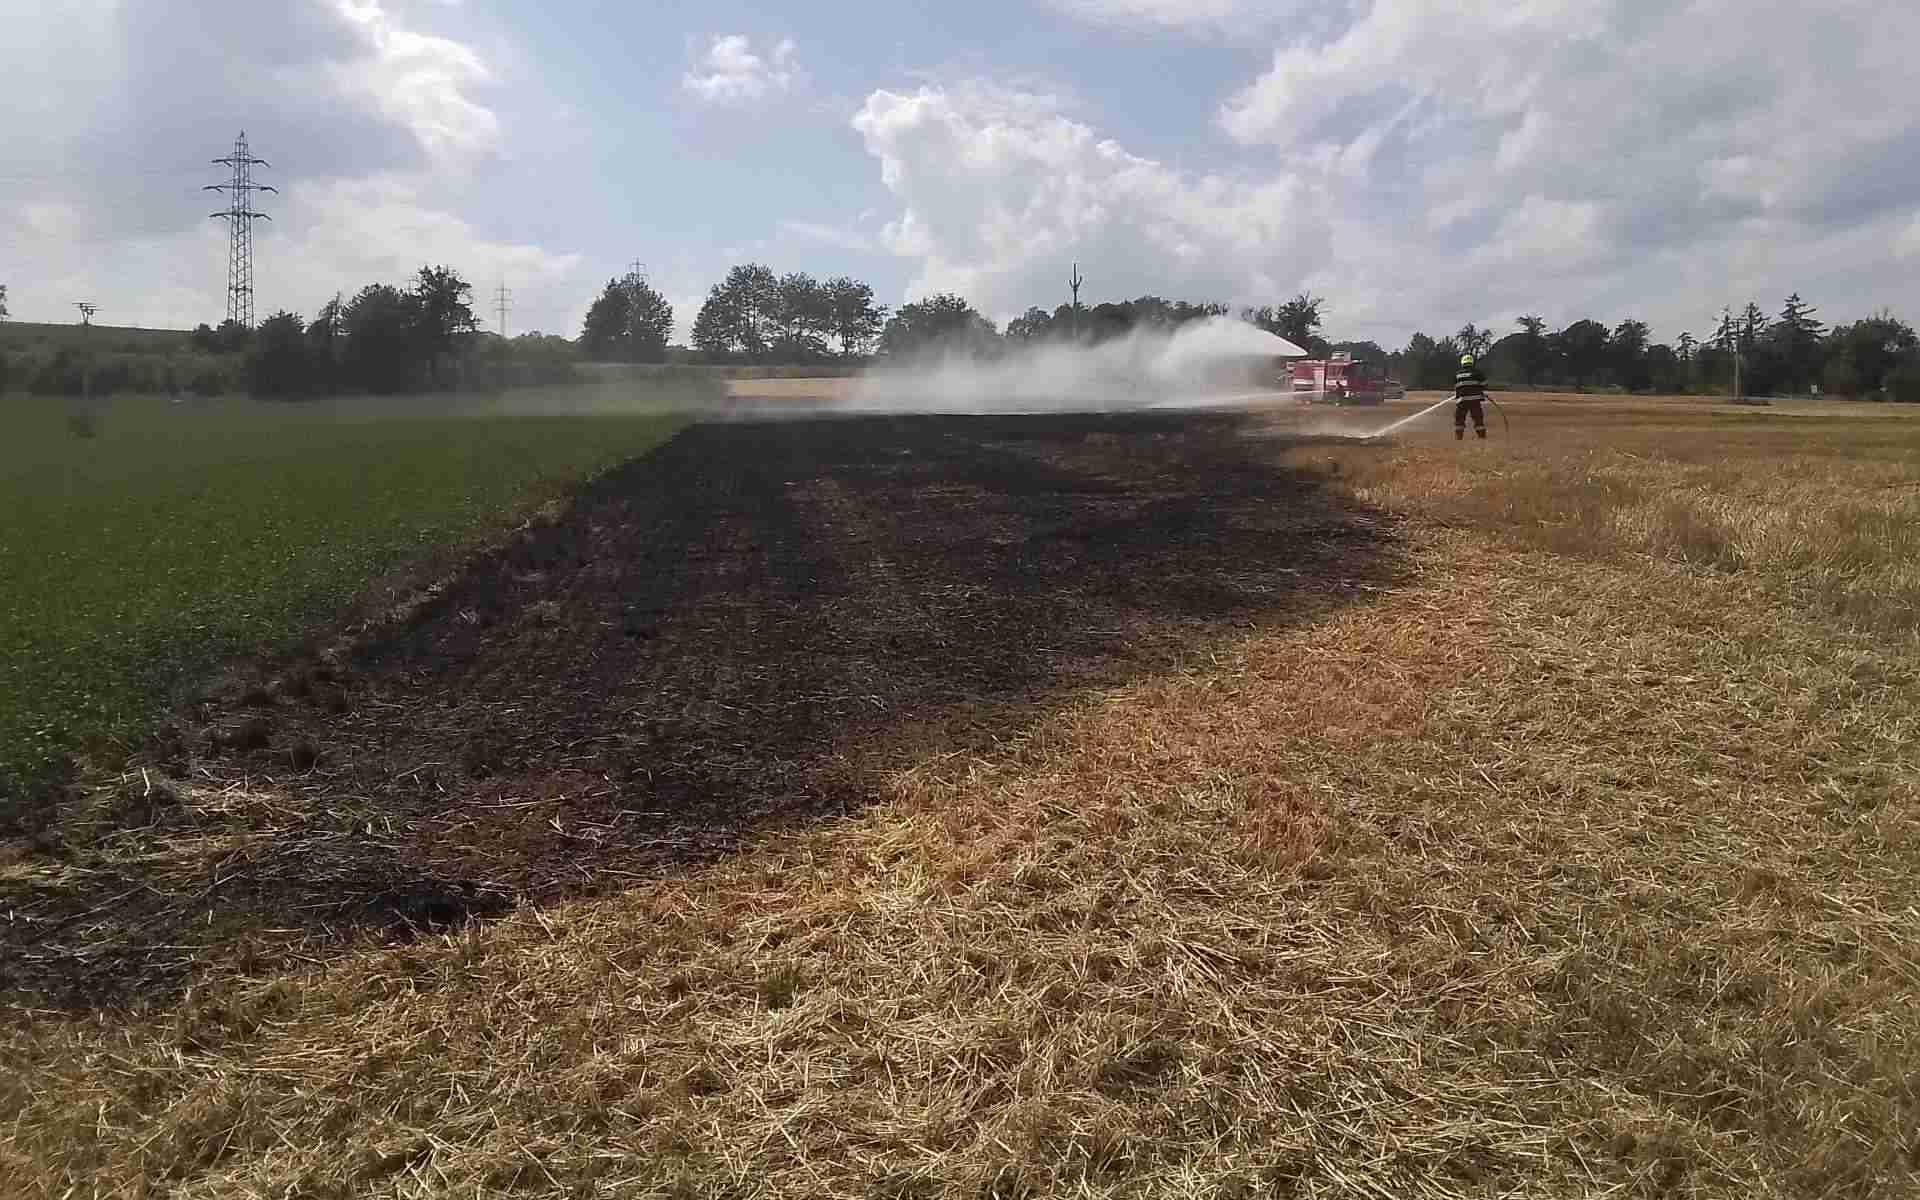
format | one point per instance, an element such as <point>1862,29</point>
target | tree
<point>738,317</point>
<point>605,333</point>
<point>324,334</point>
<point>1583,347</point>
<point>649,322</point>
<point>3,301</point>
<point>1627,347</point>
<point>855,319</point>
<point>630,322</point>
<point>1797,335</point>
<point>1860,356</point>
<point>231,337</point>
<point>1361,351</point>
<point>382,339</point>
<point>1751,323</point>
<point>1429,364</point>
<point>1031,326</point>
<point>1727,333</point>
<point>1665,370</point>
<point>941,322</point>
<point>1534,353</point>
<point>716,328</point>
<point>1903,381</point>
<point>277,365</point>
<point>1297,320</point>
<point>1473,339</point>
<point>442,317</point>
<point>1105,322</point>
<point>802,317</point>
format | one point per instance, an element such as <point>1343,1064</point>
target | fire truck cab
<point>1339,380</point>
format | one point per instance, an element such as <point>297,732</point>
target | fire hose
<point>1506,425</point>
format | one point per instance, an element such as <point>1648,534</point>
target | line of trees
<point>385,340</point>
<point>424,336</point>
<point>756,316</point>
<point>388,340</point>
<point>1794,353</point>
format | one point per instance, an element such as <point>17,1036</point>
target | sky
<point>1417,165</point>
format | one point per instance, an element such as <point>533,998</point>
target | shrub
<point>207,379</point>
<point>1903,382</point>
<point>1841,378</point>
<point>59,375</point>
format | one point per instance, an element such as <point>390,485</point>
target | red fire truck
<point>1340,380</point>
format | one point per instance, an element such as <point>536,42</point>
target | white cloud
<point>1168,14</point>
<point>1425,165</point>
<point>730,72</point>
<point>1001,193</point>
<point>344,233</point>
<point>326,236</point>
<point>418,81</point>
<point>368,118</point>
<point>844,239</point>
<point>1908,244</point>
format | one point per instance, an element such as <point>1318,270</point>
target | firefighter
<point>1469,393</point>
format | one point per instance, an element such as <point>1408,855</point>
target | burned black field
<point>734,633</point>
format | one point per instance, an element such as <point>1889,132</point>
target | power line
<point>240,217</point>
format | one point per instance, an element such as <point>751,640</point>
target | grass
<point>1581,864</point>
<point>134,561</point>
<point>1821,504</point>
<point>119,339</point>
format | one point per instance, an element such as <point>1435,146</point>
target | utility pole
<point>503,300</point>
<point>239,216</point>
<point>1074,282</point>
<point>82,423</point>
<point>639,272</point>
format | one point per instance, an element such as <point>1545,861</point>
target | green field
<point>16,336</point>
<point>134,562</point>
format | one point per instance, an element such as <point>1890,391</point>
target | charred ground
<point>737,631</point>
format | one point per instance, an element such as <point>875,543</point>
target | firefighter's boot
<point>1480,431</point>
<point>1459,432</point>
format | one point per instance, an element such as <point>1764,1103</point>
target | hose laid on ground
<point>1507,426</point>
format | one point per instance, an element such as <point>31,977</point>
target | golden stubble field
<point>1578,859</point>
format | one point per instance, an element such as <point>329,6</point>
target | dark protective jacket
<point>1469,384</point>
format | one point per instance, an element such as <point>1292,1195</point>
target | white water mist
<point>1212,361</point>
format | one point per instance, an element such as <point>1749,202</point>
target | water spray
<point>1506,424</point>
<point>1205,363</point>
<point>1409,419</point>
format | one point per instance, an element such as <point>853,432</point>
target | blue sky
<point>1417,165</point>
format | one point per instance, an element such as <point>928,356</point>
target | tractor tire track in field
<point>738,631</point>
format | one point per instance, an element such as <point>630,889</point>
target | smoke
<point>1218,360</point>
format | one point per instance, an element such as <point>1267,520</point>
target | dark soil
<point>736,632</point>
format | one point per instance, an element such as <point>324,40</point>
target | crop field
<point>1150,804</point>
<point>181,534</point>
